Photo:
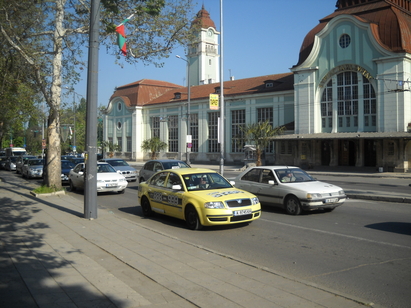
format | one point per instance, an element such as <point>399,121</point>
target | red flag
<point>121,38</point>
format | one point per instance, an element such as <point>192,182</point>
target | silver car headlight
<point>100,181</point>
<point>341,192</point>
<point>314,196</point>
<point>122,180</point>
<point>214,205</point>
<point>255,201</point>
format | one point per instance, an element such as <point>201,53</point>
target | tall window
<point>120,143</point>
<point>347,100</point>
<point>128,144</point>
<point>370,106</point>
<point>327,108</point>
<point>155,127</point>
<point>237,121</point>
<point>194,132</point>
<point>266,114</point>
<point>173,133</point>
<point>213,145</point>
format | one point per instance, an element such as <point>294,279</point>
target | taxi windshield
<point>205,181</point>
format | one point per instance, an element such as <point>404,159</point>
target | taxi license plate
<point>333,200</point>
<point>111,185</point>
<point>242,212</point>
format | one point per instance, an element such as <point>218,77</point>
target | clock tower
<point>203,55</point>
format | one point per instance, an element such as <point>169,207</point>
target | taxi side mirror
<point>271,182</point>
<point>176,187</point>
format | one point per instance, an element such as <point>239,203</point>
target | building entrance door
<point>370,154</point>
<point>347,153</point>
<point>325,153</point>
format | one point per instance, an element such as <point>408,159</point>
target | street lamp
<point>74,112</point>
<point>188,139</point>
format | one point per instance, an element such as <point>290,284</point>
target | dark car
<point>66,166</point>
<point>76,160</point>
<point>153,166</point>
<point>3,160</point>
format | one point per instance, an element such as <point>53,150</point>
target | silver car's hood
<point>124,168</point>
<point>312,187</point>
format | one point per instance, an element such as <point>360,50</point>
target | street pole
<point>74,131</point>
<point>221,135</point>
<point>188,120</point>
<point>90,177</point>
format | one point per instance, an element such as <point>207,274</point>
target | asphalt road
<point>363,248</point>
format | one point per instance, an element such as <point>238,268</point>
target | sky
<point>261,37</point>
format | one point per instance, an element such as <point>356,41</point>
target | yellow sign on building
<point>214,98</point>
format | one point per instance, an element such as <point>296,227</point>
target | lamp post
<point>188,139</point>
<point>74,115</point>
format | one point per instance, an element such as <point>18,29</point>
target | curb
<point>56,193</point>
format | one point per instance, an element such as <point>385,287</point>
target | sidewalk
<point>50,256</point>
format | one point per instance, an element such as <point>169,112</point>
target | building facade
<point>347,102</point>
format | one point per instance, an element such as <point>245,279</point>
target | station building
<point>347,102</point>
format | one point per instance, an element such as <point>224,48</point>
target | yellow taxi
<point>201,197</point>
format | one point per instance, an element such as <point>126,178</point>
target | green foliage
<point>259,134</point>
<point>153,145</point>
<point>46,190</point>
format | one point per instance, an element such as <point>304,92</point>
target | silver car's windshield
<point>205,181</point>
<point>290,175</point>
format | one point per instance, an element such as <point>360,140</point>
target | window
<point>119,125</point>
<point>119,106</point>
<point>345,41</point>
<point>370,106</point>
<point>213,145</point>
<point>327,107</point>
<point>173,133</point>
<point>128,144</point>
<point>120,143</point>
<point>194,132</point>
<point>237,121</point>
<point>155,127</point>
<point>266,114</point>
<point>286,148</point>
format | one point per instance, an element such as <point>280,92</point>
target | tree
<point>49,37</point>
<point>260,135</point>
<point>111,147</point>
<point>153,145</point>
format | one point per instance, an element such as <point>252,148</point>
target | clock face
<point>210,33</point>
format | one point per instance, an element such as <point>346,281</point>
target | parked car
<point>22,160</point>
<point>66,166</point>
<point>33,168</point>
<point>108,180</point>
<point>290,188</point>
<point>121,166</point>
<point>76,160</point>
<point>10,164</point>
<point>3,160</point>
<point>201,197</point>
<point>153,166</point>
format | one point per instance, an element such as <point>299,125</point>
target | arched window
<point>353,105</point>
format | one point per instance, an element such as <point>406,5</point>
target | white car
<point>290,188</point>
<point>108,179</point>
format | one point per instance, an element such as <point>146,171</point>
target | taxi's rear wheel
<point>293,206</point>
<point>72,187</point>
<point>146,208</point>
<point>192,220</point>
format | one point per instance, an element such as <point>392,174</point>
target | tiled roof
<point>203,19</point>
<point>141,92</point>
<point>280,82</point>
<point>391,23</point>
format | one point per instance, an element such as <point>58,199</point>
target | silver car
<point>122,167</point>
<point>290,188</point>
<point>33,168</point>
<point>153,166</point>
<point>22,160</point>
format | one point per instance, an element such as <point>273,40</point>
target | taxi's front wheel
<point>146,207</point>
<point>192,220</point>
